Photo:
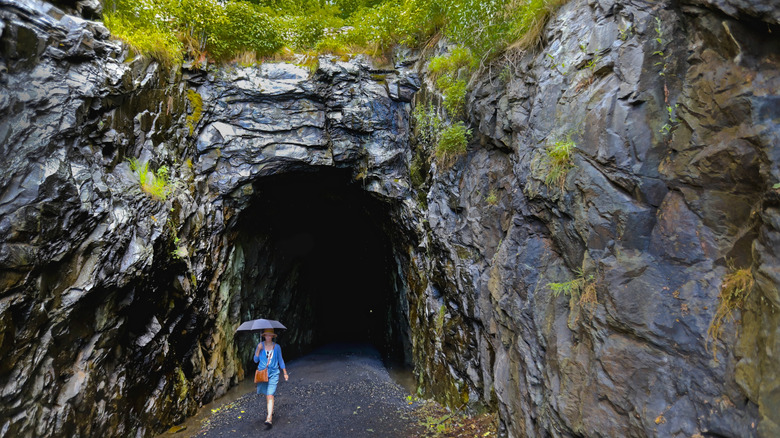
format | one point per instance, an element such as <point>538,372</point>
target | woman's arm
<point>257,353</point>
<point>282,365</point>
<point>279,356</point>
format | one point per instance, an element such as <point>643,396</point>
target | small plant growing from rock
<point>581,292</point>
<point>558,159</point>
<point>492,197</point>
<point>625,32</point>
<point>733,292</point>
<point>155,184</point>
<point>660,52</point>
<point>673,120</point>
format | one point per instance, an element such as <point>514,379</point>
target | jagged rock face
<point>117,309</point>
<point>674,116</point>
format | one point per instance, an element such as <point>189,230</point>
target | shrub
<point>450,70</point>
<point>243,27</point>
<point>452,143</point>
<point>307,31</point>
<point>222,29</point>
<point>733,292</point>
<point>455,98</point>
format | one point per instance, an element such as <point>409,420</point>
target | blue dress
<point>274,367</point>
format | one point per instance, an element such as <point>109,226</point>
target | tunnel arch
<point>317,253</point>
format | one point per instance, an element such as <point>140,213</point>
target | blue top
<point>276,361</point>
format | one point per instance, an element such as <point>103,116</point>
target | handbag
<point>262,375</point>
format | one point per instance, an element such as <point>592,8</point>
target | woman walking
<point>269,354</point>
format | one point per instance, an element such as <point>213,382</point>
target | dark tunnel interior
<point>318,257</point>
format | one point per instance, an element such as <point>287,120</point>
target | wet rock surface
<point>673,180</point>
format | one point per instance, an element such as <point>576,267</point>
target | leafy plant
<point>554,65</point>
<point>221,30</point>
<point>733,292</point>
<point>144,38</point>
<point>455,98</point>
<point>672,120</point>
<point>452,143</point>
<point>659,39</point>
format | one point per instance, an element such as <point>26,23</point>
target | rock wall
<point>673,110</point>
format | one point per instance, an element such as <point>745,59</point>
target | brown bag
<point>262,375</point>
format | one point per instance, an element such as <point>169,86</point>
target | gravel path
<point>336,391</point>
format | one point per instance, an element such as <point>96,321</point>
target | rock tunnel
<point>317,255</point>
<point>295,200</point>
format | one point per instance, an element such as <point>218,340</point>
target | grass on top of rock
<point>170,30</point>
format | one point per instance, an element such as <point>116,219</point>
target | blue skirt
<point>269,387</point>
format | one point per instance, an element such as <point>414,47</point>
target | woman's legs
<point>270,407</point>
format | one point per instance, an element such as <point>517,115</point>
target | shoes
<point>268,424</point>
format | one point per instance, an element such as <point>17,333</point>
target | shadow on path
<point>336,391</point>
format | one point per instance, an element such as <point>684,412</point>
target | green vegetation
<point>558,160</point>
<point>581,292</point>
<point>196,103</point>
<point>452,144</point>
<point>428,124</point>
<point>155,184</point>
<point>672,120</point>
<point>659,38</point>
<point>492,197</point>
<point>733,292</point>
<point>625,32</point>
<point>170,30</point>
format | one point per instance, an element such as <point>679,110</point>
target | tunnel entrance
<point>318,256</point>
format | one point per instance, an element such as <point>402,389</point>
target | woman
<point>269,353</point>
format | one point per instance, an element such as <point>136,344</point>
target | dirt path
<point>337,391</point>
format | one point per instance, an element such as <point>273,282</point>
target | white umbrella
<point>260,324</point>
